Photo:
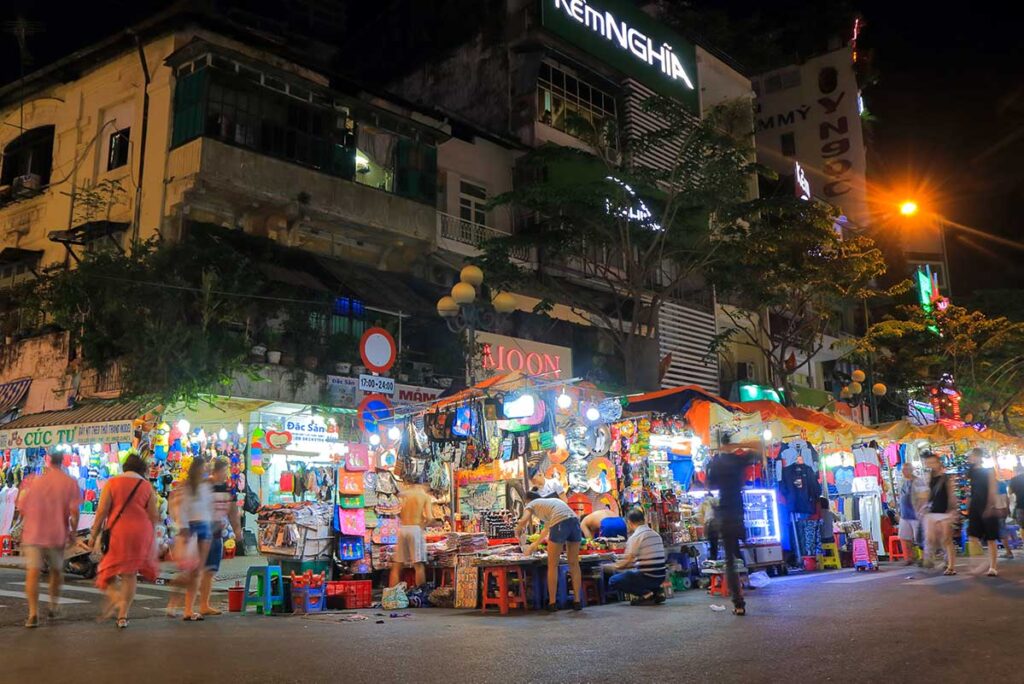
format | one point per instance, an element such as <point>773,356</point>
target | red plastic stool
<point>719,587</point>
<point>592,591</point>
<point>503,575</point>
<point>447,577</point>
<point>896,550</point>
<point>6,545</point>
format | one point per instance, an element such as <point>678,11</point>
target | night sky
<point>949,108</point>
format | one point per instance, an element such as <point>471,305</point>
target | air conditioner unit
<point>27,183</point>
<point>746,370</point>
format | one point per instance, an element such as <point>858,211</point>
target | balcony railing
<point>473,235</point>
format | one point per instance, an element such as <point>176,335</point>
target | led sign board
<point>630,41</point>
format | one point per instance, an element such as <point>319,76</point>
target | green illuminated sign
<point>630,41</point>
<point>759,393</point>
<point>927,293</point>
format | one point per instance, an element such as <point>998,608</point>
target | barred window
<point>563,99</point>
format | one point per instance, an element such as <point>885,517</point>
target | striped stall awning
<point>97,422</point>
<point>12,393</point>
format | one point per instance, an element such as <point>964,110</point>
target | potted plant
<point>341,347</point>
<point>259,352</point>
<point>274,348</point>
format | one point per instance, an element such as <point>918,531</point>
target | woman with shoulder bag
<point>126,515</point>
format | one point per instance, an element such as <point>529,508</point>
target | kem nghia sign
<point>630,41</point>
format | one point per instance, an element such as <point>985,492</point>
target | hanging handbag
<point>105,534</point>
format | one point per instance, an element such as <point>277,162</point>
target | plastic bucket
<point>236,596</point>
<point>810,563</point>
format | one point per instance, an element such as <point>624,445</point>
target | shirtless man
<point>411,548</point>
<point>604,523</point>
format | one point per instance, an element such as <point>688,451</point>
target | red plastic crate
<point>357,593</point>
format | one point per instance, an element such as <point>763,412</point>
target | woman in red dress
<point>128,508</point>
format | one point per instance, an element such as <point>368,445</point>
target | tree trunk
<point>641,358</point>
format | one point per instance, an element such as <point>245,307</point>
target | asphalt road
<point>896,625</point>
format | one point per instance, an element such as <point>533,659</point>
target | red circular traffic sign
<point>372,411</point>
<point>378,350</point>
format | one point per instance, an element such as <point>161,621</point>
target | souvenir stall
<point>94,440</point>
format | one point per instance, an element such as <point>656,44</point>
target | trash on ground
<point>717,608</point>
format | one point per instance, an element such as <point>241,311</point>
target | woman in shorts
<point>562,530</point>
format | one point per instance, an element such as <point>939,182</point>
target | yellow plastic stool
<point>831,557</point>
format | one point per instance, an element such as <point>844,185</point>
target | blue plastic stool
<point>308,599</point>
<point>540,586</point>
<point>265,597</point>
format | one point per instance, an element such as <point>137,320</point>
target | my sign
<point>86,433</point>
<point>630,41</point>
<point>503,354</point>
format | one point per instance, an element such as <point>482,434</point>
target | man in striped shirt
<point>642,565</point>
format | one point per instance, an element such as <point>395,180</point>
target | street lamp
<point>908,207</point>
<point>464,315</point>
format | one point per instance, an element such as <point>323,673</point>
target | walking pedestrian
<point>561,529</point>
<point>727,474</point>
<point>910,526</point>
<point>49,511</point>
<point>939,518</point>
<point>1016,488</point>
<point>982,514</point>
<point>127,513</point>
<point>225,512</point>
<point>193,508</point>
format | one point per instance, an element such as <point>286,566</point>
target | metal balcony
<point>467,237</point>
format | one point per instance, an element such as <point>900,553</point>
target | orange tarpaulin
<point>767,409</point>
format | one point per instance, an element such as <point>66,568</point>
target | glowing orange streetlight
<point>908,208</point>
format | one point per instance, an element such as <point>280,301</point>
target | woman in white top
<point>193,513</point>
<point>561,528</point>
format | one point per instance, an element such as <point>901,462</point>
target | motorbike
<point>80,558</point>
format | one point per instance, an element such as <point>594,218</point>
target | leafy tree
<point>984,354</point>
<point>637,236</point>
<point>790,280</point>
<point>164,314</point>
<point>179,318</point>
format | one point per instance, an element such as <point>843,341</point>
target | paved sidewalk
<point>231,569</point>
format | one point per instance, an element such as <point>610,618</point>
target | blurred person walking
<point>193,514</point>
<point>727,474</point>
<point>49,510</point>
<point>982,513</point>
<point>941,509</point>
<point>126,514</point>
<point>225,512</point>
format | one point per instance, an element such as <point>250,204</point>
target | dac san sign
<point>501,354</point>
<point>628,40</point>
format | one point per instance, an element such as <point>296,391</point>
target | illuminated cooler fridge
<point>763,545</point>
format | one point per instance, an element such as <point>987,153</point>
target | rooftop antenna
<point>21,28</point>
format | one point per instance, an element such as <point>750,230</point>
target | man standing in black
<point>727,474</point>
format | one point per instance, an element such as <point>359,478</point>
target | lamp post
<point>464,314</point>
<point>853,393</point>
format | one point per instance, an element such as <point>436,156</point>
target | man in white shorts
<point>411,548</point>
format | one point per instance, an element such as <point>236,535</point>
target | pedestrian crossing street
<point>82,592</point>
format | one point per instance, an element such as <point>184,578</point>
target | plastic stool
<point>447,577</point>
<point>308,599</point>
<point>830,557</point>
<point>719,587</point>
<point>896,550</point>
<point>503,575</point>
<point>6,545</point>
<point>265,597</point>
<point>540,586</point>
